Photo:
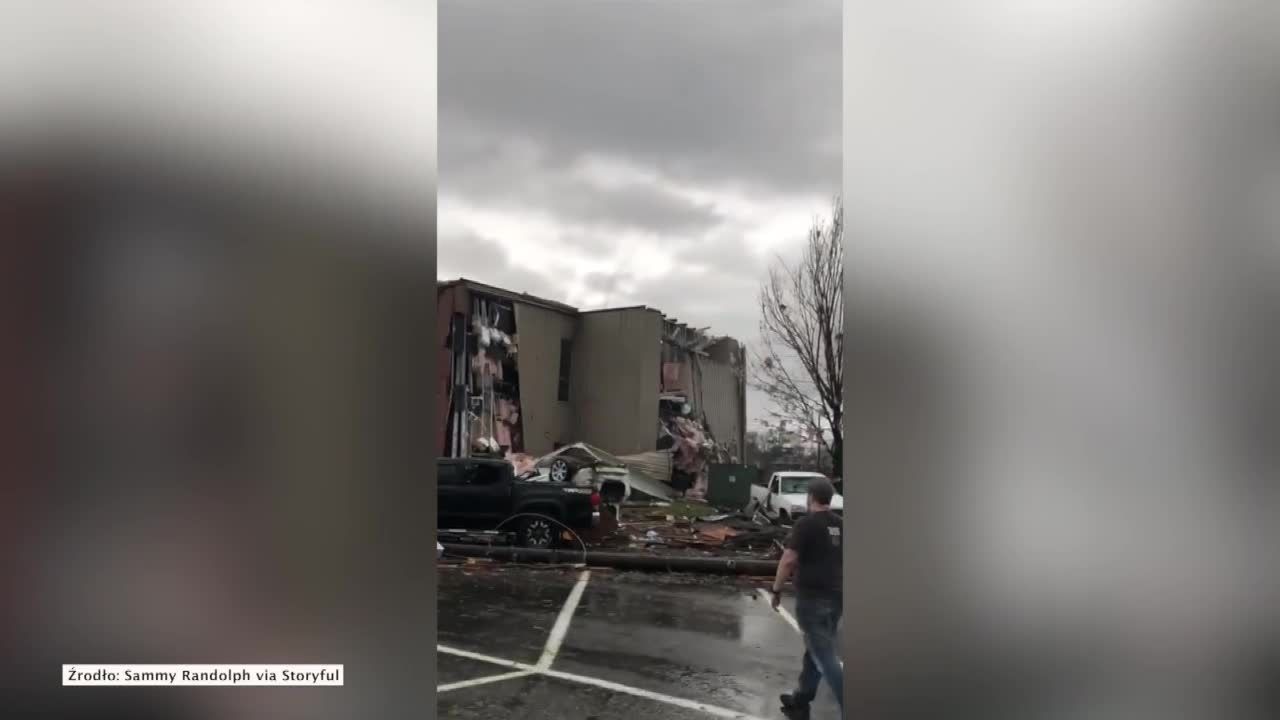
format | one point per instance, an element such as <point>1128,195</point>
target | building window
<point>566,352</point>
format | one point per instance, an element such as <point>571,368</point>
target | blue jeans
<point>819,618</point>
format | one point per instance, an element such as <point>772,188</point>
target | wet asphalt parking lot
<point>561,644</point>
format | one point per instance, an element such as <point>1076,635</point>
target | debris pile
<point>658,531</point>
<point>683,423</point>
<point>692,446</point>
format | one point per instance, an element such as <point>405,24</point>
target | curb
<point>619,561</point>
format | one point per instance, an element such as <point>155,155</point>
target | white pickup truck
<point>786,497</point>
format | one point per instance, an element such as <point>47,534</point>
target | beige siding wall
<point>727,394</point>
<point>722,402</point>
<point>616,362</point>
<point>545,419</point>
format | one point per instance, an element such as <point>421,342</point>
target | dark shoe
<point>794,707</point>
<point>793,700</point>
<point>800,712</point>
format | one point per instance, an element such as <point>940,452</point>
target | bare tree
<point>799,363</point>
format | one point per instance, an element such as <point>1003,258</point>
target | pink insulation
<point>522,462</point>
<point>486,366</point>
<point>671,377</point>
<point>508,411</point>
<point>690,443</point>
<point>502,433</point>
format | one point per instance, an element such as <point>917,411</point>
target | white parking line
<point>482,681</point>
<point>649,695</point>
<point>552,649</point>
<point>583,680</point>
<point>529,670</point>
<point>768,597</point>
<point>484,658</point>
<point>561,628</point>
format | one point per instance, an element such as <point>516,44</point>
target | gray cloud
<point>636,206</point>
<point>708,90</point>
<point>742,95</point>
<point>620,282</point>
<point>592,242</point>
<point>525,185</point>
<point>470,254</point>
<point>473,256</point>
<point>723,254</point>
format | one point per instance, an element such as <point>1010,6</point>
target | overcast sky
<point>617,153</point>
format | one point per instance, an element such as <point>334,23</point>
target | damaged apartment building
<point>524,376</point>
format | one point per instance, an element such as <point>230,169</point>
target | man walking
<point>815,553</point>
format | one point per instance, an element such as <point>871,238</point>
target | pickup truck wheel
<point>537,533</point>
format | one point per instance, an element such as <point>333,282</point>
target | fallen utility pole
<point>617,560</point>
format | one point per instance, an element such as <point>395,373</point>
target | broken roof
<point>685,337</point>
<point>681,334</point>
<point>508,294</point>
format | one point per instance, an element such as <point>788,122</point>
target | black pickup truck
<point>481,493</point>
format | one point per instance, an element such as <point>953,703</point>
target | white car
<point>786,496</point>
<point>583,466</point>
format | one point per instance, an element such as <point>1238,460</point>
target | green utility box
<point>729,486</point>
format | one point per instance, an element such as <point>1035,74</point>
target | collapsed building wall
<point>702,409</point>
<point>453,308</point>
<point>483,386</point>
<point>524,376</point>
<point>495,419</point>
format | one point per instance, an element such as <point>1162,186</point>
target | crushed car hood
<point>584,453</point>
<point>608,467</point>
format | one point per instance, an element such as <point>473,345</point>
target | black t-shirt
<point>818,540</point>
